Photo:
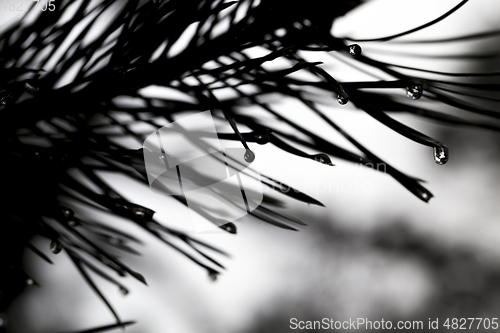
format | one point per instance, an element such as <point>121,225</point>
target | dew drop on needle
<point>414,92</point>
<point>343,100</point>
<point>261,139</point>
<point>355,50</point>
<point>212,275</point>
<point>229,227</point>
<point>30,88</point>
<point>249,156</point>
<point>55,247</point>
<point>441,155</point>
<point>123,291</point>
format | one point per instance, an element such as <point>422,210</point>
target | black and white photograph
<point>250,166</point>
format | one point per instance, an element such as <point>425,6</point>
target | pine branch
<point>61,90</point>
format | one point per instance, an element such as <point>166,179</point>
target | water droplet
<point>262,139</point>
<point>123,291</point>
<point>441,155</point>
<point>323,159</point>
<point>426,196</point>
<point>249,156</point>
<point>66,212</point>
<point>31,88</point>
<point>212,275</point>
<point>30,282</point>
<point>414,91</point>
<point>343,100</point>
<point>290,53</point>
<point>74,223</point>
<point>55,247</point>
<point>135,210</point>
<point>229,227</point>
<point>355,50</point>
<point>162,158</point>
<point>3,320</point>
<point>5,100</point>
<point>141,212</point>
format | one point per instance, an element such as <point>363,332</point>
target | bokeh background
<point>375,251</point>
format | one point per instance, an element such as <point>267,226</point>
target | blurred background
<point>375,251</point>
